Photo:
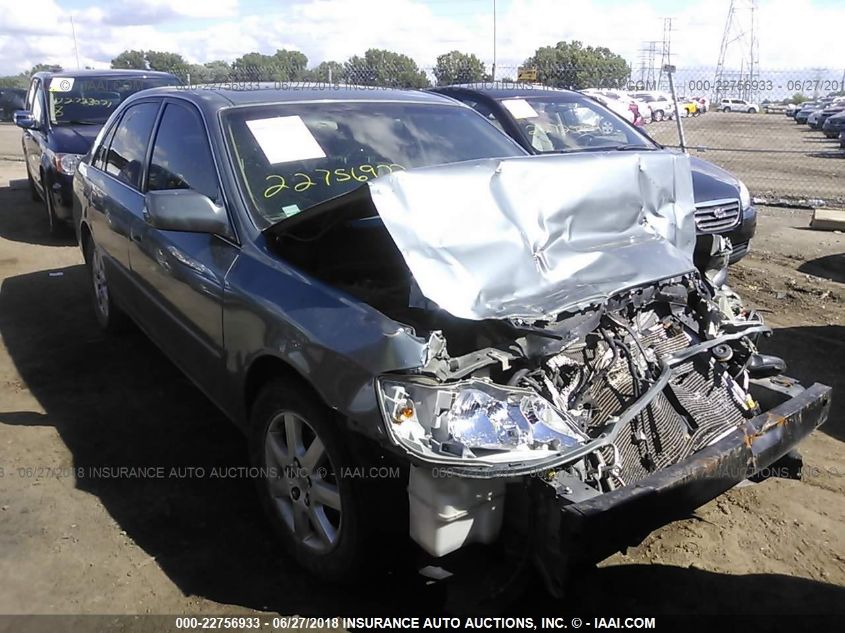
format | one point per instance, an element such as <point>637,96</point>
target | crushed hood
<point>530,237</point>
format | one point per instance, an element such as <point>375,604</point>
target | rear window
<point>289,157</point>
<point>91,100</point>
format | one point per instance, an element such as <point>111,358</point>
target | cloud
<point>130,12</point>
<point>336,29</point>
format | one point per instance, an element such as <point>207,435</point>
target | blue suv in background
<point>64,112</point>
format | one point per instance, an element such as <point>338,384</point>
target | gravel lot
<point>814,166</point>
<point>73,399</point>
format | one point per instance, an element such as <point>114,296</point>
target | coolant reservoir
<point>448,512</point>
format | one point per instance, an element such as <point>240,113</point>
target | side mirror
<point>23,119</point>
<point>186,210</point>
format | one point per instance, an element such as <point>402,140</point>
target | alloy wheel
<point>302,482</point>
<point>98,279</point>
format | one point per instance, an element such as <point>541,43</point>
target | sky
<point>793,34</point>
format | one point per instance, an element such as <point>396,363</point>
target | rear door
<point>181,273</point>
<point>116,177</point>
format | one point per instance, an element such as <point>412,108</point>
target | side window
<point>99,158</point>
<point>30,95</point>
<point>128,149</point>
<point>38,105</point>
<point>181,155</point>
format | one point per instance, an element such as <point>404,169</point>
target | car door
<point>115,198</point>
<point>182,273</point>
<point>35,139</point>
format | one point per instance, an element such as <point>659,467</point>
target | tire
<point>109,315</point>
<point>750,110</point>
<point>727,109</point>
<point>33,192</point>
<point>658,115</point>
<point>318,515</point>
<point>54,225</point>
<point>606,127</point>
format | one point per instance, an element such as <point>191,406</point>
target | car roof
<point>106,72</point>
<point>495,90</point>
<point>215,97</point>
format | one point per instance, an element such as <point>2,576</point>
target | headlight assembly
<point>474,421</point>
<point>744,196</point>
<point>66,163</point>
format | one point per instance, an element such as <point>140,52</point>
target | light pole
<point>494,41</point>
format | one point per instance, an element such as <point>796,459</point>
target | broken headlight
<point>475,420</point>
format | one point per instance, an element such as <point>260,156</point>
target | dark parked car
<point>804,111</point>
<point>550,121</point>
<point>63,113</point>
<point>834,125</point>
<point>515,345</point>
<point>11,100</point>
<point>827,112</point>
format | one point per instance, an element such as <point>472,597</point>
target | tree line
<point>566,64</point>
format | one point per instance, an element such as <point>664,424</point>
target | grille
<point>716,215</point>
<point>691,412</point>
<point>740,249</point>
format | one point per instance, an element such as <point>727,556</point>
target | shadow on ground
<point>22,220</point>
<point>119,402</point>
<point>815,354</point>
<point>833,153</point>
<point>830,267</point>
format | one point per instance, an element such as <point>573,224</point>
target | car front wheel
<point>658,116</point>
<point>300,453</point>
<point>727,109</point>
<point>54,225</point>
<point>33,192</point>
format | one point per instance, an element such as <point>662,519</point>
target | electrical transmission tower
<point>666,54</point>
<point>648,56</point>
<point>738,68</point>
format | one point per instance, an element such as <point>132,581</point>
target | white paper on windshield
<point>520,108</point>
<point>61,84</point>
<point>284,139</point>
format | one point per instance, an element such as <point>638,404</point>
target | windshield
<point>91,100</point>
<point>292,156</point>
<point>569,123</point>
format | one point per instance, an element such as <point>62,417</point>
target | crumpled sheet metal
<point>531,237</point>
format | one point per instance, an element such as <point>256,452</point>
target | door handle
<point>161,259</point>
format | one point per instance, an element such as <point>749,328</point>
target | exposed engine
<point>621,390</point>
<point>606,393</point>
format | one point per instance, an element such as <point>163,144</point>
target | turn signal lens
<point>403,414</point>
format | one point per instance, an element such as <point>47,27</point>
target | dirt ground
<point>73,399</point>
<point>810,167</point>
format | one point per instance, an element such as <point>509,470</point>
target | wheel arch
<point>268,367</point>
<point>85,238</point>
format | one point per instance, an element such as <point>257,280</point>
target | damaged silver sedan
<point>364,278</point>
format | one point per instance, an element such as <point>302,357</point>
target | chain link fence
<point>739,121</point>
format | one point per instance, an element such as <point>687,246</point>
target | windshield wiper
<point>603,148</point>
<point>632,147</point>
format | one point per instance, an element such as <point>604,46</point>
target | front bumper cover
<point>566,534</point>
